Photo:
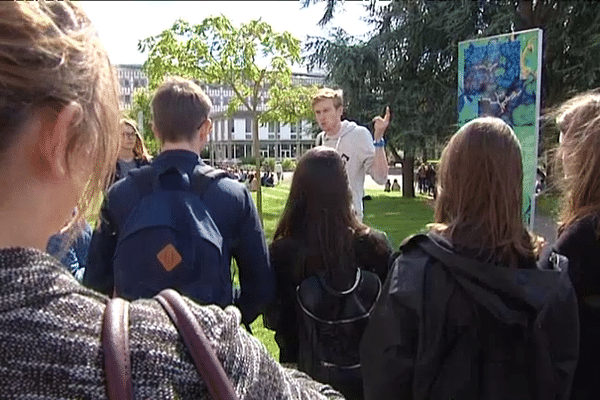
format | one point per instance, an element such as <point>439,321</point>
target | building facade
<point>231,138</point>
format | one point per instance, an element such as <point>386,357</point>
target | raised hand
<point>380,124</point>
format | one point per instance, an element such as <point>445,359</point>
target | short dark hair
<point>179,109</point>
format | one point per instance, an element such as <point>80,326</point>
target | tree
<point>417,42</point>
<point>249,59</point>
<point>141,104</point>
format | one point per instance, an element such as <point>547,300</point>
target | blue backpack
<point>169,240</point>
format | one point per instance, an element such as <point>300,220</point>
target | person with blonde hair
<point>133,152</point>
<point>467,312</point>
<point>578,158</point>
<point>362,152</point>
<point>59,123</point>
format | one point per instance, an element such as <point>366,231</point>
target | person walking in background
<point>133,153</point>
<point>59,124</point>
<point>362,153</point>
<point>329,264</point>
<point>395,186</point>
<point>467,312</point>
<point>279,172</point>
<point>578,159</point>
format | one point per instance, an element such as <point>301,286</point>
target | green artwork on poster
<point>500,76</point>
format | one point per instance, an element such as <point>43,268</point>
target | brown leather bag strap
<point>115,341</point>
<point>206,360</point>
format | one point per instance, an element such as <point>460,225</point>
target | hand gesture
<point>380,124</point>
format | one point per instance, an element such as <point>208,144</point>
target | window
<point>248,125</point>
<point>248,136</point>
<point>271,127</point>
<point>294,128</point>
<point>271,137</point>
<point>293,136</point>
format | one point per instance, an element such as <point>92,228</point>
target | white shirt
<point>354,143</point>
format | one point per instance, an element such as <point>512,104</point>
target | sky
<point>121,24</point>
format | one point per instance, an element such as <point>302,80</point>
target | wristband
<point>379,143</point>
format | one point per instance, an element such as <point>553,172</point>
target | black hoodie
<point>419,342</point>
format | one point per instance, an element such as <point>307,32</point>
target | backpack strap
<point>144,179</point>
<point>204,356</point>
<point>204,176</point>
<point>115,343</point>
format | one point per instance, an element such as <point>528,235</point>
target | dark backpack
<point>480,356</point>
<point>330,329</point>
<point>169,240</point>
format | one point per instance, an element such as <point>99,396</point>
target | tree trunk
<point>408,181</point>
<point>256,150</point>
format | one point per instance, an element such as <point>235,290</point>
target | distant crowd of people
<point>475,307</point>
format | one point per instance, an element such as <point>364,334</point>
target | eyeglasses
<point>128,135</point>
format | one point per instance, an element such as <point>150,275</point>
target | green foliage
<point>248,59</point>
<point>410,61</point>
<point>288,164</point>
<point>142,103</point>
<point>269,164</point>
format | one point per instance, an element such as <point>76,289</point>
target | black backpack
<point>170,240</point>
<point>331,325</point>
<point>480,356</point>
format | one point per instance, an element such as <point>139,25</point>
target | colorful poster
<point>501,76</point>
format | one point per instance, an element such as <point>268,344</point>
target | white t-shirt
<point>354,143</point>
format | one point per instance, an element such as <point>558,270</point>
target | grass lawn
<point>398,217</point>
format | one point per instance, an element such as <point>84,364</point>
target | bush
<point>288,164</point>
<point>268,163</point>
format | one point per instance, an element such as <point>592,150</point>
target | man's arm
<point>257,278</point>
<point>98,273</point>
<point>377,166</point>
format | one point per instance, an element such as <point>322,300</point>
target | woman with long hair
<point>578,159</point>
<point>132,152</point>
<point>320,235</point>
<point>59,130</point>
<point>467,312</point>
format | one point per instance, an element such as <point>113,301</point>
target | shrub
<point>288,164</point>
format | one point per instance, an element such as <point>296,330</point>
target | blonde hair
<point>478,206</point>
<point>578,156</point>
<point>50,56</point>
<point>327,93</point>
<point>139,150</point>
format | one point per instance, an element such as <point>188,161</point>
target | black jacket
<point>580,244</point>
<point>417,328</point>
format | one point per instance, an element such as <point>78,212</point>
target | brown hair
<point>327,93</point>
<point>179,108</point>
<point>139,150</point>
<point>578,157</point>
<point>50,55</point>
<point>318,214</point>
<point>479,202</point>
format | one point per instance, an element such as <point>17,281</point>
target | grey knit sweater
<point>50,343</point>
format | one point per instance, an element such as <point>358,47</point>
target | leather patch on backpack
<point>169,257</point>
